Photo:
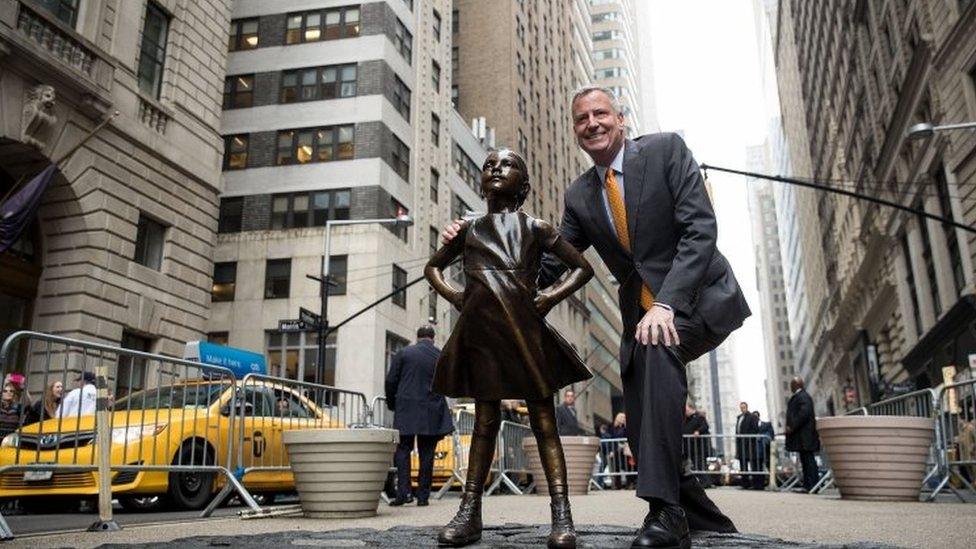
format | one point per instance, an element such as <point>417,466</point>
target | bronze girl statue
<point>501,346</point>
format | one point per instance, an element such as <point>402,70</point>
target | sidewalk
<point>791,517</point>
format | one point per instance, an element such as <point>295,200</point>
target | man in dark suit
<point>801,432</point>
<point>645,210</point>
<point>697,446</point>
<point>746,448</point>
<point>567,422</point>
<point>418,413</point>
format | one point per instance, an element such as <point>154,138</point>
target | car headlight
<point>440,455</point>
<point>11,440</point>
<point>129,433</point>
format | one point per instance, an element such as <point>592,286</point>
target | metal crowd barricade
<point>956,424</point>
<point>740,455</point>
<point>512,459</point>
<point>461,445</point>
<point>614,465</point>
<point>787,467</point>
<point>379,414</point>
<point>148,420</point>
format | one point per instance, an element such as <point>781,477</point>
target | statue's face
<point>502,174</point>
<point>47,96</point>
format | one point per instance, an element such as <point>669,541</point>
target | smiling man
<point>644,208</point>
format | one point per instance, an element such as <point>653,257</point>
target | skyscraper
<point>616,56</point>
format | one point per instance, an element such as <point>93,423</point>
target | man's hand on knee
<point>450,231</point>
<point>657,326</point>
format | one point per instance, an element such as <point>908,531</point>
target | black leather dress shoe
<point>400,500</point>
<point>666,528</point>
<point>422,503</point>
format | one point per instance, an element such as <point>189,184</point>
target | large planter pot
<point>880,458</point>
<point>580,455</point>
<point>339,473</point>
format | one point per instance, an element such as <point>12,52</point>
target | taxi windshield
<point>199,395</point>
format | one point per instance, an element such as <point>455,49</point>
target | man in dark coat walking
<point>418,413</point>
<point>567,422</point>
<point>801,432</point>
<point>747,448</point>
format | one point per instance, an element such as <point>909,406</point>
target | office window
<point>231,215</point>
<point>315,145</point>
<point>435,129</point>
<point>152,53</point>
<point>317,83</point>
<point>435,236</point>
<point>401,98</point>
<point>399,283</point>
<point>238,91</point>
<point>910,282</point>
<point>437,26</point>
<point>394,344</point>
<point>150,236</point>
<point>455,21</point>
<point>400,158</point>
<point>235,152</point>
<point>330,24</point>
<point>224,282</point>
<point>218,338</point>
<point>338,268</point>
<point>455,96</point>
<point>397,210</point>
<point>929,262</point>
<point>435,76</point>
<point>455,62</point>
<point>952,238</point>
<point>243,35</point>
<point>403,41</point>
<point>294,355</point>
<point>65,11</point>
<point>130,374</point>
<point>277,278</point>
<point>435,179</point>
<point>309,209</point>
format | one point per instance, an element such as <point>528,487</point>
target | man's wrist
<point>664,306</point>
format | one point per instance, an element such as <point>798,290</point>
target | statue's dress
<point>501,347</point>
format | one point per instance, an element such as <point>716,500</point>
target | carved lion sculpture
<point>38,114</point>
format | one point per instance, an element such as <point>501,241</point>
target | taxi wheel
<point>192,490</point>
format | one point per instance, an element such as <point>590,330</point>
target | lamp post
<point>325,280</point>
<point>927,129</point>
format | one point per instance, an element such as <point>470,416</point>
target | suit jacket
<point>417,410</point>
<point>801,423</point>
<point>748,426</point>
<point>694,422</point>
<point>672,233</point>
<point>567,424</point>
<point>766,428</point>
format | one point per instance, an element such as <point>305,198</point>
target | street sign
<point>308,318</point>
<point>291,325</point>
<point>239,361</point>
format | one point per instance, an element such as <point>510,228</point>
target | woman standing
<point>11,410</point>
<point>47,407</point>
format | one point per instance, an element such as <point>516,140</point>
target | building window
<point>309,209</point>
<point>231,215</point>
<point>455,96</point>
<point>952,238</point>
<point>65,11</point>
<point>398,210</point>
<point>316,83</point>
<point>400,158</point>
<point>910,282</point>
<point>435,76</point>
<point>235,152</point>
<point>224,282</point>
<point>455,62</point>
<point>149,243</point>
<point>394,344</point>
<point>403,41</point>
<point>435,179</point>
<point>294,355</point>
<point>434,239</point>
<point>399,286</point>
<point>130,375</point>
<point>239,91</point>
<point>315,145</point>
<point>401,98</point>
<point>437,26</point>
<point>243,35</point>
<point>466,168</point>
<point>309,27</point>
<point>338,267</point>
<point>218,338</point>
<point>929,262</point>
<point>435,129</point>
<point>277,278</point>
<point>152,54</point>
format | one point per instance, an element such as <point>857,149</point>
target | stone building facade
<point>121,248</point>
<point>884,301</point>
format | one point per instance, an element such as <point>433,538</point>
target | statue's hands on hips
<point>450,231</point>
<point>657,325</point>
<point>544,302</point>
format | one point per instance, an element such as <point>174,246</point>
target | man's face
<point>743,407</point>
<point>599,129</point>
<point>569,398</point>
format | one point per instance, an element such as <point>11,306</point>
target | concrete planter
<point>339,473</point>
<point>580,455</point>
<point>879,458</point>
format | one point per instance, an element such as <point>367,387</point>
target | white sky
<point>707,83</point>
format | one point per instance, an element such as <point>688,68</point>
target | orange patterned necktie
<point>619,213</point>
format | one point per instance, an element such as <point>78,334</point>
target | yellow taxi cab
<point>183,424</point>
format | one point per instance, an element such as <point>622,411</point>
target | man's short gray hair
<point>586,90</point>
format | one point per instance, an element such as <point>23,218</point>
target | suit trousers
<point>425,447</point>
<point>811,473</point>
<point>655,390</point>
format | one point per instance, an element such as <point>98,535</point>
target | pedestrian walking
<point>420,415</point>
<point>801,432</point>
<point>567,420</point>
